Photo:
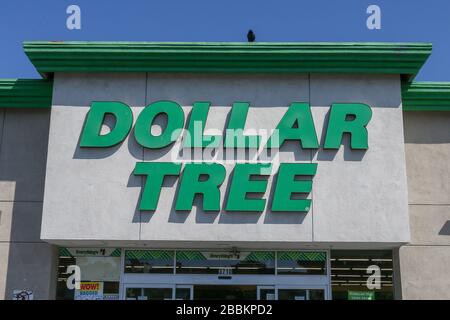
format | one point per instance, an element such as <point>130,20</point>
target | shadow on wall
<point>322,154</point>
<point>445,230</point>
<point>134,148</point>
<point>27,262</point>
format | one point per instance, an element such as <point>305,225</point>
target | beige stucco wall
<point>26,262</point>
<point>425,262</point>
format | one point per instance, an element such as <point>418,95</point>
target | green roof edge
<point>426,96</point>
<point>26,93</point>
<point>37,93</point>
<point>405,59</point>
<point>228,57</point>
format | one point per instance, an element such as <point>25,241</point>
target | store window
<point>149,261</point>
<point>301,294</point>
<point>267,293</point>
<point>225,263</point>
<point>316,294</point>
<point>99,271</point>
<point>148,294</point>
<point>361,275</point>
<point>292,294</point>
<point>301,263</point>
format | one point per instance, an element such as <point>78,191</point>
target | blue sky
<point>202,20</point>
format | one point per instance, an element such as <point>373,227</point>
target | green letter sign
<point>175,122</point>
<point>197,122</point>
<point>249,181</point>
<point>242,185</point>
<point>204,179</point>
<point>340,124</point>
<point>155,172</point>
<point>234,134</point>
<point>91,136</point>
<point>287,185</point>
<point>296,124</point>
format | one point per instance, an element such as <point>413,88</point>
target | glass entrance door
<point>148,293</point>
<point>290,293</point>
<point>184,292</point>
<point>300,293</point>
<point>225,292</point>
<point>204,274</point>
<point>250,292</point>
<point>222,292</point>
<point>158,292</point>
<point>266,293</point>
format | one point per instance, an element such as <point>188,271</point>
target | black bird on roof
<point>250,36</point>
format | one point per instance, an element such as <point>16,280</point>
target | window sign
<point>89,291</point>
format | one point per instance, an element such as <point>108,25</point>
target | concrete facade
<point>393,201</point>
<point>89,179</point>
<point>26,262</point>
<point>425,261</point>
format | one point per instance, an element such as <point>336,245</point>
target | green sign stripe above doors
<point>116,253</point>
<point>301,256</point>
<point>260,256</point>
<point>63,252</point>
<point>190,255</point>
<point>95,252</point>
<point>197,255</point>
<point>252,256</point>
<point>149,254</point>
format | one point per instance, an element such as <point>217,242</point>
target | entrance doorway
<point>240,275</point>
<point>225,292</point>
<point>222,292</point>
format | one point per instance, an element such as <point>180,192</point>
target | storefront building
<point>303,171</point>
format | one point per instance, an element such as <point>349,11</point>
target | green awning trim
<point>63,252</point>
<point>260,256</point>
<point>426,96</point>
<point>228,57</point>
<point>149,255</point>
<point>302,256</point>
<point>190,255</point>
<point>25,93</point>
<point>116,253</point>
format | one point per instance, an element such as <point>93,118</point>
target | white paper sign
<point>89,290</point>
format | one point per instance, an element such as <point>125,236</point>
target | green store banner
<point>255,256</point>
<point>197,255</point>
